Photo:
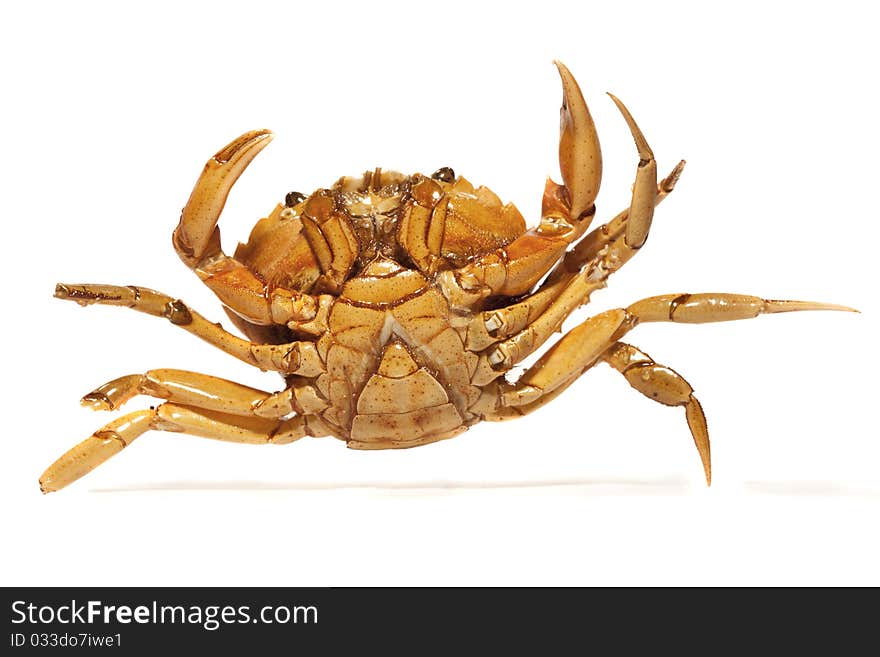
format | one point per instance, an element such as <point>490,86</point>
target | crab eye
<point>294,198</point>
<point>444,174</point>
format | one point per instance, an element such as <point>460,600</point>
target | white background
<point>108,114</point>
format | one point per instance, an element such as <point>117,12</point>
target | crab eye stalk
<point>444,174</point>
<point>293,199</point>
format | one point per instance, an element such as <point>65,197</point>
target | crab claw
<point>580,158</point>
<point>195,234</point>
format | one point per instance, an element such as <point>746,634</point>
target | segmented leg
<point>300,357</point>
<point>532,321</point>
<point>666,386</point>
<point>501,323</point>
<point>596,240</point>
<point>682,308</point>
<point>597,339</point>
<point>644,197</point>
<point>513,350</point>
<point>119,434</point>
<point>717,307</point>
<point>655,381</point>
<point>191,389</point>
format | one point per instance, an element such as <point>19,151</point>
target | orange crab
<point>394,306</point>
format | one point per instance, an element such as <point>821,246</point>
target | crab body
<point>395,307</point>
<point>396,369</point>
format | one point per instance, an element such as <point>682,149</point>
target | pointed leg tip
<point>706,459</point>
<point>670,181</point>
<point>835,307</point>
<point>696,420</point>
<point>96,403</point>
<point>645,151</point>
<point>782,306</point>
<point>619,103</point>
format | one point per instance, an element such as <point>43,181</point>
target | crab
<point>396,306</point>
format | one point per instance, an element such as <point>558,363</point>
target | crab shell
<point>386,252</point>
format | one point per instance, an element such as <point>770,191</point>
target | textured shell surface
<point>395,356</point>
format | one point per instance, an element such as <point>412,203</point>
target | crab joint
<point>494,322</point>
<point>299,358</point>
<point>177,313</point>
<point>286,306</point>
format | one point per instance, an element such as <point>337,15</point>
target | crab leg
<point>118,434</point>
<point>191,389</point>
<point>666,386</point>
<point>644,198</point>
<point>562,303</point>
<point>655,381</point>
<point>298,357</point>
<point>717,307</point>
<point>628,231</point>
<point>572,282</point>
<point>501,323</point>
<point>596,339</point>
<point>590,246</point>
<point>681,308</point>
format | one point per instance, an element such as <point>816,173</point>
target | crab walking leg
<point>574,289</point>
<point>681,308</point>
<point>107,441</point>
<point>596,240</point>
<point>644,197</point>
<point>511,351</point>
<point>717,307</point>
<point>586,344</point>
<point>299,357</point>
<point>575,352</point>
<point>501,323</point>
<point>655,381</point>
<point>633,223</point>
<point>119,434</point>
<point>582,345</point>
<point>666,386</point>
<point>191,389</point>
